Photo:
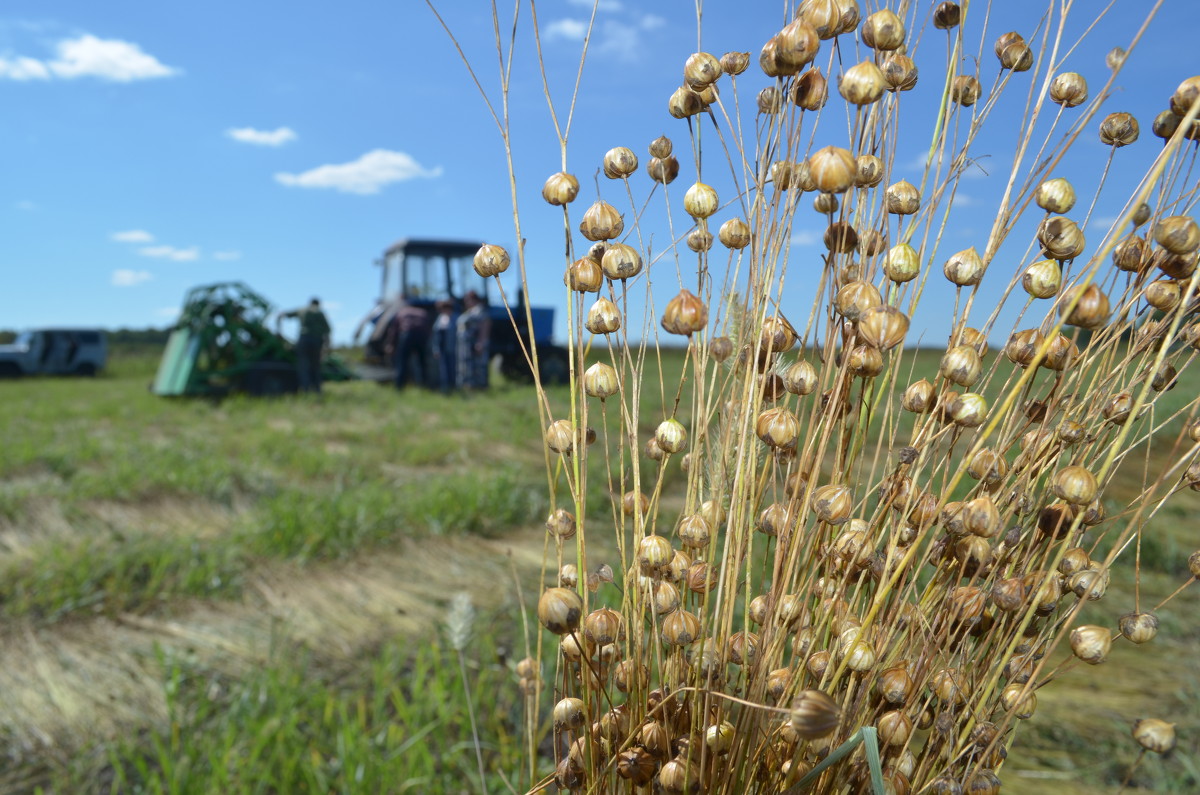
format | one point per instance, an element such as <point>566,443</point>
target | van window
<point>88,337</point>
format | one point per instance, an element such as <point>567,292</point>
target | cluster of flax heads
<point>857,547</point>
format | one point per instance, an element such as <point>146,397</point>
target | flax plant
<point>863,543</point>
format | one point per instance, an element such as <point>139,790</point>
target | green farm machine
<point>222,345</point>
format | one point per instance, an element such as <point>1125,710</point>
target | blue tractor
<point>422,272</point>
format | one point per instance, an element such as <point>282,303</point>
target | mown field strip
<point>73,683</point>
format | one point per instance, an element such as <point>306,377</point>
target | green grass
<point>396,723</point>
<point>113,501</point>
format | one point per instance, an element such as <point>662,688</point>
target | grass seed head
<point>685,314</point>
<point>621,261</point>
<point>1069,89</point>
<point>701,70</point>
<point>1185,96</point>
<point>965,90</point>
<point>560,188</point>
<point>947,15</point>
<point>1013,52</point>
<point>964,269</point>
<point>601,381</point>
<point>883,31</point>
<point>1156,736</point>
<point>862,84</point>
<point>561,524</point>
<point>559,610</point>
<point>902,198</point>
<point>620,162</point>
<point>1139,627</point>
<point>663,170</point>
<point>1091,643</point>
<point>1118,129</point>
<point>603,317</point>
<point>1091,308</point>
<point>490,260</point>
<point>1055,195</point>
<point>1061,238</point>
<point>601,221</point>
<point>813,714</point>
<point>734,63</point>
<point>811,90</point>
<point>833,169</point>
<point>1178,234</point>
<point>900,72</point>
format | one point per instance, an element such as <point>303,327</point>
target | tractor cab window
<point>430,277</point>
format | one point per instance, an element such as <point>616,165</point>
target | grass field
<point>254,596</point>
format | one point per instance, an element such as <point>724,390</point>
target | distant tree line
<point>120,336</point>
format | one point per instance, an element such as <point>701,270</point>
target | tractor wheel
<point>554,364</point>
<point>86,370</point>
<point>514,368</point>
<point>270,379</point>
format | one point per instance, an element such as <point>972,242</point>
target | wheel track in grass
<point>69,684</point>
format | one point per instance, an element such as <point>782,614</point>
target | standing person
<point>474,331</point>
<point>410,329</point>
<point>314,339</point>
<point>443,345</point>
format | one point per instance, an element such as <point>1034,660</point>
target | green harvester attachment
<point>222,345</point>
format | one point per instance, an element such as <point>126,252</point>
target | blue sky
<point>151,147</point>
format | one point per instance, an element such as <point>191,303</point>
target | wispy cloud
<point>248,135</point>
<point>133,236</point>
<point>25,204</point>
<point>367,175</point>
<point>624,40</point>
<point>227,256</point>
<point>171,253</point>
<point>601,5</point>
<point>804,238</point>
<point>568,29</point>
<point>620,37</point>
<point>130,278</point>
<point>113,60</point>
<point>21,68</point>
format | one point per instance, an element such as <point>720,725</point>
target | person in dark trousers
<point>314,339</point>
<point>474,328</point>
<point>443,345</point>
<point>410,341</point>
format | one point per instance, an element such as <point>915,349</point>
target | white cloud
<point>227,256</point>
<point>25,204</point>
<point>652,21</point>
<point>88,56</point>
<point>248,135</point>
<point>601,5</point>
<point>569,29</point>
<point>133,236</point>
<point>621,40</point>
<point>171,253</point>
<point>962,200</point>
<point>169,312</point>
<point>367,175</point>
<point>130,278</point>
<point>106,59</point>
<point>804,238</point>
<point>21,68</point>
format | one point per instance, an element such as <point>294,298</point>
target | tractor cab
<point>421,272</point>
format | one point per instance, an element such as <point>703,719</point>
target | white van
<point>55,351</point>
